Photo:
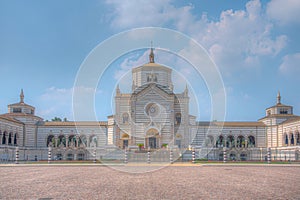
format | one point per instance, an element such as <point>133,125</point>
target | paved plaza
<point>173,182</point>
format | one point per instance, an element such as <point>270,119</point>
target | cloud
<point>290,64</point>
<point>284,11</point>
<point>58,101</point>
<point>130,62</point>
<point>239,39</point>
<point>55,102</point>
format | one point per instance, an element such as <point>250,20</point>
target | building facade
<point>151,117</point>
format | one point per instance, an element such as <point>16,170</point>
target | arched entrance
<point>152,138</point>
<point>125,138</point>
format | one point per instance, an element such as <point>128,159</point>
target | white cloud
<point>58,102</point>
<point>129,63</point>
<point>290,64</point>
<point>238,39</point>
<point>284,11</point>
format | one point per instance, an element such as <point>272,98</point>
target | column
<point>88,141</point>
<point>295,139</point>
<point>56,140</point>
<point>77,141</point>
<point>235,141</point>
<point>67,140</point>
<point>6,138</point>
<point>246,141</point>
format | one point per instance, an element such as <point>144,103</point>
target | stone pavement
<point>173,182</point>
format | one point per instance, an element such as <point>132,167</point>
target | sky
<point>254,44</point>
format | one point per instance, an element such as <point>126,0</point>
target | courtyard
<point>172,182</point>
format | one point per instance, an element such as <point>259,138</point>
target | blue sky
<point>255,45</point>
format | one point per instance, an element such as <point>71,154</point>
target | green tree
<point>56,119</point>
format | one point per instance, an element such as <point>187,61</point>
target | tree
<point>56,119</point>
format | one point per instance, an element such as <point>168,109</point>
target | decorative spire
<point>118,92</point>
<point>22,96</point>
<point>186,90</point>
<point>278,97</point>
<point>151,55</point>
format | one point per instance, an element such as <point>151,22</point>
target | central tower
<point>152,72</point>
<point>151,116</point>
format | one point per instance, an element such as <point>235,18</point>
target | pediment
<point>152,91</point>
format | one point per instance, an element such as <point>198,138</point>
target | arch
<point>243,156</point>
<point>125,118</point>
<point>251,141</point>
<point>4,137</point>
<point>297,138</point>
<point>152,141</point>
<point>61,141</point>
<point>50,141</point>
<point>16,137</point>
<point>210,141</point>
<point>230,141</point>
<point>178,118</point>
<point>82,141</point>
<point>59,156</point>
<point>125,136</point>
<point>221,156</point>
<point>292,139</point>
<point>232,155</point>
<point>93,141</point>
<point>220,141</point>
<point>72,141</point>
<point>240,141</point>
<point>10,138</point>
<point>70,156</point>
<point>80,155</point>
<point>285,139</point>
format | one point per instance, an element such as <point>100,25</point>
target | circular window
<point>152,109</point>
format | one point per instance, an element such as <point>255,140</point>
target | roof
<point>278,116</point>
<point>21,104</point>
<point>290,120</point>
<point>155,65</point>
<point>278,105</point>
<point>72,123</point>
<point>166,89</point>
<point>12,115</point>
<point>232,124</point>
<point>10,119</point>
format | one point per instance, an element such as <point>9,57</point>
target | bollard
<point>171,156</point>
<point>126,156</point>
<point>269,155</point>
<point>193,155</point>
<point>94,155</point>
<point>17,155</point>
<point>49,155</point>
<point>224,155</point>
<point>149,157</point>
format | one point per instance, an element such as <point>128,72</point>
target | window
<point>283,111</point>
<point>17,110</point>
<point>125,118</point>
<point>178,118</point>
<point>151,77</point>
